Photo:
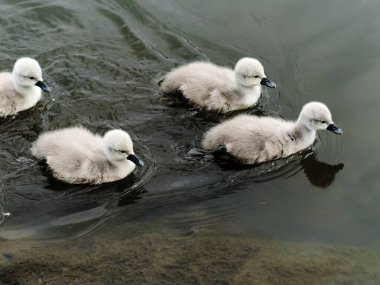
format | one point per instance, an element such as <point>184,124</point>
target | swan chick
<point>77,156</point>
<point>251,139</point>
<point>21,88</point>
<point>212,87</point>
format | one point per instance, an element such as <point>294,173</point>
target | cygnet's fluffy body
<point>212,87</point>
<point>251,139</point>
<point>78,156</point>
<point>21,89</point>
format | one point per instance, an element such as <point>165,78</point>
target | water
<point>103,59</point>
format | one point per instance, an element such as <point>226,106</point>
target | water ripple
<point>103,58</point>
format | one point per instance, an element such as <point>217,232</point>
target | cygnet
<point>78,156</point>
<point>21,89</point>
<point>212,87</point>
<point>251,139</point>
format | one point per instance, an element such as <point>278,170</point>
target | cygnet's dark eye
<point>32,78</point>
<point>323,122</point>
<point>123,151</point>
<point>256,76</point>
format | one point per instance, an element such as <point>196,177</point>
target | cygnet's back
<point>75,155</point>
<point>21,89</point>
<point>251,139</point>
<point>212,87</point>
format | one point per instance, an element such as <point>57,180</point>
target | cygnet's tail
<point>40,148</point>
<point>199,152</point>
<point>35,152</point>
<point>170,83</point>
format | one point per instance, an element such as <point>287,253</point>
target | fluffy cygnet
<point>251,139</point>
<point>77,156</point>
<point>21,89</point>
<point>212,87</point>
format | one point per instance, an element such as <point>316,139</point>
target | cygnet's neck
<point>122,167</point>
<point>302,132</point>
<point>26,90</point>
<point>248,96</point>
<point>247,88</point>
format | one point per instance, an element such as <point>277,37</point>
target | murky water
<point>103,59</point>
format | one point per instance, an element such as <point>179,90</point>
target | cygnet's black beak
<point>43,86</point>
<point>265,81</point>
<point>334,129</point>
<point>135,160</point>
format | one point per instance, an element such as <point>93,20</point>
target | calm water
<point>103,59</point>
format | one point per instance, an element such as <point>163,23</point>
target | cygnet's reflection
<point>319,173</point>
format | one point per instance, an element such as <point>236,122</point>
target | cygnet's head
<point>249,72</point>
<point>316,116</point>
<point>27,73</point>
<point>118,146</point>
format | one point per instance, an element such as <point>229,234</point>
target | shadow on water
<point>319,173</point>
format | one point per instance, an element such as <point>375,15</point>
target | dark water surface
<point>103,59</point>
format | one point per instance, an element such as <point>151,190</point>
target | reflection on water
<point>103,59</point>
<point>319,173</point>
